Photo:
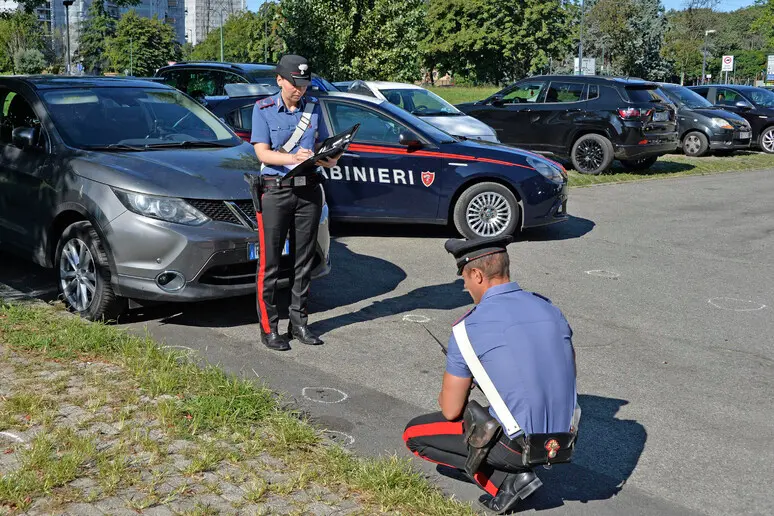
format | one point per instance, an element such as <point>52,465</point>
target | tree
<point>243,40</point>
<point>18,31</point>
<point>96,30</point>
<point>29,61</point>
<point>141,45</point>
<point>764,21</point>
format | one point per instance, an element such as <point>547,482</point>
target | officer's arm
<point>454,395</point>
<point>270,157</point>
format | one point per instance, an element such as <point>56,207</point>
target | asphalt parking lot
<point>668,288</point>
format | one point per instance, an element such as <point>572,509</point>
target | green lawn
<point>459,94</point>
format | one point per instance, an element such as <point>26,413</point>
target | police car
<point>401,169</point>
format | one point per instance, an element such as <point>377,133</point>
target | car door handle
<point>350,155</point>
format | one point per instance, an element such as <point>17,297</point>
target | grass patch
<point>460,94</point>
<point>188,400</point>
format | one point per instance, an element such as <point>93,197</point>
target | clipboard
<point>332,146</point>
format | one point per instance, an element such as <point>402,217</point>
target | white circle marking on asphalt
<point>416,318</point>
<point>13,436</point>
<point>735,305</point>
<point>322,392</point>
<point>603,274</point>
<point>348,439</point>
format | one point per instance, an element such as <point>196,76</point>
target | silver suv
<point>130,190</point>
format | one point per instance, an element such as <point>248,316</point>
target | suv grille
<point>220,211</point>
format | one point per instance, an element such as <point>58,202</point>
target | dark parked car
<point>703,127</point>
<point>209,79</point>
<point>588,120</point>
<point>129,190</point>
<point>756,105</point>
<point>401,169</point>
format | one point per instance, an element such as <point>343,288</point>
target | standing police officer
<point>518,347</point>
<point>285,132</point>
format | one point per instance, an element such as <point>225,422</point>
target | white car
<point>428,106</point>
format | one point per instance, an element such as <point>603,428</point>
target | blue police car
<point>401,169</point>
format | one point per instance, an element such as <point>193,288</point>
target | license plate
<point>252,250</point>
<point>745,135</point>
<point>660,116</point>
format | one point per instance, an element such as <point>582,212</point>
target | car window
<point>726,97</point>
<point>172,78</point>
<point>593,92</point>
<point>762,97</point>
<point>16,112</point>
<point>701,91</point>
<point>642,94</point>
<point>241,118</point>
<point>564,92</point>
<point>374,126</point>
<point>525,92</point>
<point>419,102</point>
<point>100,116</point>
<point>229,78</point>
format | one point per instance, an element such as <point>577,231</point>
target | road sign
<point>728,64</point>
<point>589,66</point>
<point>770,69</point>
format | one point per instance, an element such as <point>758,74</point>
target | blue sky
<point>725,5</point>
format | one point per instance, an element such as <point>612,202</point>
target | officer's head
<point>293,76</point>
<point>482,263</point>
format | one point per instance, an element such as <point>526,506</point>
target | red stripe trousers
<point>433,438</point>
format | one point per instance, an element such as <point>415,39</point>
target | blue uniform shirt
<point>525,345</point>
<point>273,123</point>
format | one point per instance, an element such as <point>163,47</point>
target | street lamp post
<point>131,56</point>
<point>704,51</point>
<point>221,35</point>
<point>67,4</point>
<point>580,43</point>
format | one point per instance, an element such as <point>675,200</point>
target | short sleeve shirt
<point>273,124</point>
<point>525,345</point>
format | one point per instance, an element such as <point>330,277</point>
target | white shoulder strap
<point>481,376</point>
<point>303,125</point>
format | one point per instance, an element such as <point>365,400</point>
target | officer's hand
<point>327,163</point>
<point>302,155</point>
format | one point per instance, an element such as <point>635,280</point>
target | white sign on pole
<point>589,66</point>
<point>770,69</point>
<point>728,64</point>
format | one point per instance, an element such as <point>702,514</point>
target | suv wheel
<point>486,210</point>
<point>695,144</point>
<point>767,140</point>
<point>592,154</point>
<point>83,275</point>
<point>639,164</point>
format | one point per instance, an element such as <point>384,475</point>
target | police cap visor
<point>465,251</point>
<point>295,69</point>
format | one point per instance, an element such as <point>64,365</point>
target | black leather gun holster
<point>481,433</point>
<point>256,189</point>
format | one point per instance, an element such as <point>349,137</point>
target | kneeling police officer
<point>517,347</point>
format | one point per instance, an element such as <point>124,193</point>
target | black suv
<point>589,120</point>
<point>756,105</point>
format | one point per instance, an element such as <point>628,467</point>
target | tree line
<point>476,41</point>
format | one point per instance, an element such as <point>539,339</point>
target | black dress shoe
<point>305,335</point>
<point>275,341</point>
<point>513,489</point>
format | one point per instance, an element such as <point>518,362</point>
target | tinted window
<point>685,97</point>
<point>133,116</point>
<point>642,94</point>
<point>564,92</point>
<point>762,97</point>
<point>229,78</point>
<point>419,102</point>
<point>16,112</point>
<point>247,117</point>
<point>374,127</point>
<point>524,92</point>
<point>701,91</point>
<point>593,92</point>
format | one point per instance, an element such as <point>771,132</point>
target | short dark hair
<point>497,265</point>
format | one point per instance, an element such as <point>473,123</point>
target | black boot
<point>305,335</point>
<point>517,486</point>
<point>275,341</point>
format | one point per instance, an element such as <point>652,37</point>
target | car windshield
<point>93,117</point>
<point>267,78</point>
<point>761,97</point>
<point>687,98</point>
<point>420,102</point>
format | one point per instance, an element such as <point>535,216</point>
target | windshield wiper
<point>117,146</point>
<point>186,144</point>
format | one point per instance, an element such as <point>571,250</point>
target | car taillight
<point>630,113</point>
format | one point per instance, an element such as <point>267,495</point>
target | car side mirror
<point>743,104</point>
<point>409,140</point>
<point>497,100</point>
<point>25,137</point>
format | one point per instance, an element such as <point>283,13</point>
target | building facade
<point>203,16</point>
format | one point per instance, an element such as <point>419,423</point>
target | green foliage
<point>18,31</point>
<point>764,21</point>
<point>247,37</point>
<point>141,45</point>
<point>96,30</point>
<point>29,61</point>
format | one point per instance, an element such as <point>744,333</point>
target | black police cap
<point>466,251</point>
<point>295,69</point>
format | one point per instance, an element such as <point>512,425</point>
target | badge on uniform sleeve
<point>552,446</point>
<point>428,178</point>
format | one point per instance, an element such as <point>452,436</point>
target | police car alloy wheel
<point>486,210</point>
<point>83,274</point>
<point>767,140</point>
<point>592,154</point>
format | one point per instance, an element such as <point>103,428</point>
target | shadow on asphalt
<point>607,452</point>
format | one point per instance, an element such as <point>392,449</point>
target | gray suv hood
<point>206,173</point>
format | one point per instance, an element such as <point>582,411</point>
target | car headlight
<point>169,209</point>
<point>722,123</point>
<point>555,173</point>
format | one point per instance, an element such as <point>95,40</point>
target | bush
<point>29,61</point>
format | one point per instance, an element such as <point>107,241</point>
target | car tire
<point>486,209</point>
<point>639,164</point>
<point>695,144</point>
<point>766,140</point>
<point>592,154</point>
<point>83,274</point>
